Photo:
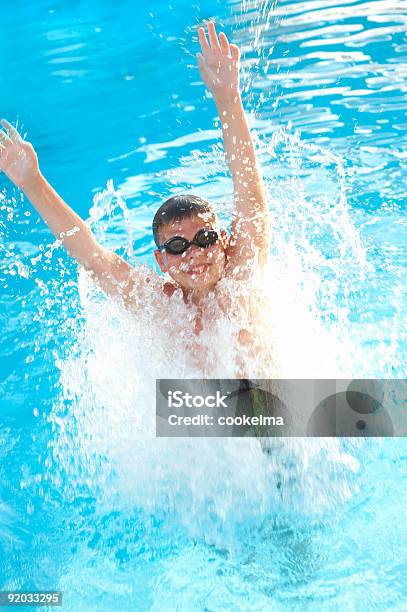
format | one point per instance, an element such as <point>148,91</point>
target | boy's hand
<point>19,162</point>
<point>18,159</point>
<point>219,64</point>
<point>249,232</point>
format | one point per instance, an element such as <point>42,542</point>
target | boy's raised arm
<point>19,162</point>
<point>219,67</point>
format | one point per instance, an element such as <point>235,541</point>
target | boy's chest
<point>207,332</point>
<point>197,324</point>
<point>198,318</point>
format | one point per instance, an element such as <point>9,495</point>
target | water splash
<point>107,403</point>
<point>101,217</point>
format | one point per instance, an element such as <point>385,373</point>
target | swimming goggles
<point>204,238</point>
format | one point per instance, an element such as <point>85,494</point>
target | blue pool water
<point>110,92</point>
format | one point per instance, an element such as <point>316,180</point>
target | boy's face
<point>198,268</point>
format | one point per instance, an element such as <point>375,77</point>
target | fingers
<point>215,44</point>
<point>234,49</point>
<point>3,148</point>
<point>224,43</point>
<point>203,41</point>
<point>4,138</point>
<point>213,37</point>
<point>201,64</point>
<point>11,130</point>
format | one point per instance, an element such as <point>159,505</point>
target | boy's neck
<point>196,296</point>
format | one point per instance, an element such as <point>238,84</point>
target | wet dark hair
<point>177,208</point>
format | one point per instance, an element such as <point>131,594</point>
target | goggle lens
<point>203,238</point>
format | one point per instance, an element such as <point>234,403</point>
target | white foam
<point>211,485</point>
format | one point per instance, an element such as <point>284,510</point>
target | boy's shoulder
<point>148,283</point>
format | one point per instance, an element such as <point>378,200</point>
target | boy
<point>189,246</point>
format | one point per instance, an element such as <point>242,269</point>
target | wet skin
<point>198,270</point>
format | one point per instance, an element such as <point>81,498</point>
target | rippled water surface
<point>90,502</point>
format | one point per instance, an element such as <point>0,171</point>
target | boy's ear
<point>159,256</point>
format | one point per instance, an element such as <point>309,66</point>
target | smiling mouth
<point>198,270</point>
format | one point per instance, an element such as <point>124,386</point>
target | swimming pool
<point>110,91</point>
